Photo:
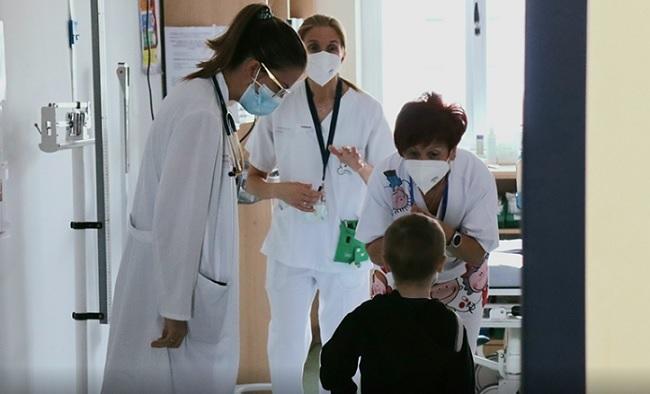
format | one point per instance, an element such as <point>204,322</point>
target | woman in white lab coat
<point>431,175</point>
<point>324,140</point>
<point>175,321</point>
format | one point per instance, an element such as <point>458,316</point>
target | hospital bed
<point>501,373</point>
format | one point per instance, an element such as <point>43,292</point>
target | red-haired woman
<point>431,175</point>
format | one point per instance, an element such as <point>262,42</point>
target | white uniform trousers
<point>291,292</point>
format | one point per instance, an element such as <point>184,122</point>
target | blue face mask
<point>259,102</point>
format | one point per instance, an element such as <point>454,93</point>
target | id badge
<point>319,214</point>
<point>350,250</point>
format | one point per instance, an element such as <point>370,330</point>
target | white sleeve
<point>480,222</point>
<point>260,145</point>
<point>376,214</point>
<point>181,209</point>
<point>381,144</point>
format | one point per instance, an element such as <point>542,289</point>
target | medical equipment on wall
<point>519,167</point>
<point>66,126</point>
<point>3,67</point>
<point>70,126</point>
<point>4,176</point>
<point>4,168</point>
<point>500,373</point>
<point>124,77</point>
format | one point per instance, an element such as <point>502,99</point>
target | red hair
<point>427,120</point>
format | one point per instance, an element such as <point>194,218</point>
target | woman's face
<point>433,151</point>
<point>324,38</point>
<point>286,77</point>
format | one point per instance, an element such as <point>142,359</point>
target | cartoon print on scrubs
<point>343,169</point>
<point>455,295</point>
<point>379,283</point>
<point>465,305</point>
<point>400,199</point>
<point>475,280</point>
<point>445,292</point>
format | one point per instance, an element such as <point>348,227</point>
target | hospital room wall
<point>36,262</point>
<point>347,12</point>
<point>618,197</point>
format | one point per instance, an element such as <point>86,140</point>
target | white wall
<point>346,11</point>
<point>36,262</point>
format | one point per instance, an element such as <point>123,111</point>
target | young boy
<point>407,342</point>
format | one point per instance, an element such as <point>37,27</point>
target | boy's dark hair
<point>414,247</point>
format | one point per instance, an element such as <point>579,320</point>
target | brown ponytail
<point>255,33</point>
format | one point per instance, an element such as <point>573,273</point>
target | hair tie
<point>264,13</point>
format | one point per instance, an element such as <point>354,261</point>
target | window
<point>505,69</point>
<point>409,47</point>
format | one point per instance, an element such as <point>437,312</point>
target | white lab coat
<point>181,250</point>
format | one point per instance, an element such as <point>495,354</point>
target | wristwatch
<point>456,240</point>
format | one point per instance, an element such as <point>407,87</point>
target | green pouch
<point>350,250</point>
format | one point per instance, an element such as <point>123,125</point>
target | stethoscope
<point>230,128</point>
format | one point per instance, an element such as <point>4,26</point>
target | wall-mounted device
<point>64,126</point>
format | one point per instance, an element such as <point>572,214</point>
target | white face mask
<point>426,173</point>
<point>322,66</point>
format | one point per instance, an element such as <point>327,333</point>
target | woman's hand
<point>174,331</point>
<point>449,232</point>
<point>350,156</point>
<point>299,195</point>
<point>470,251</point>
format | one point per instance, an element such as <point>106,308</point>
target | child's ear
<point>440,265</point>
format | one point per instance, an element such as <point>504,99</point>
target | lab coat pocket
<point>210,309</point>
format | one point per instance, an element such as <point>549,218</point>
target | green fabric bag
<point>350,250</point>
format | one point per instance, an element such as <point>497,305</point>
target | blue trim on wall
<point>554,197</point>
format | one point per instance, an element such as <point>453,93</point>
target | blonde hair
<point>319,20</point>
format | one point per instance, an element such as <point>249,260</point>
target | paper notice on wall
<point>185,47</point>
<point>149,32</point>
<point>3,72</point>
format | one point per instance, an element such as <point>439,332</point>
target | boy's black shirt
<point>406,345</point>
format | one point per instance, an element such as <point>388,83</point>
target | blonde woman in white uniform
<point>431,175</point>
<point>324,140</point>
<point>175,321</point>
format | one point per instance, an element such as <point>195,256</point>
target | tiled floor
<point>310,379</point>
<point>310,376</point>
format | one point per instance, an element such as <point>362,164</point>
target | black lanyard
<point>445,197</point>
<point>324,151</point>
<point>228,124</point>
<point>228,121</point>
